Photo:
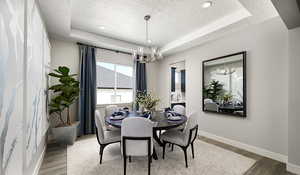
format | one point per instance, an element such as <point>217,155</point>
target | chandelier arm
<point>147,34</point>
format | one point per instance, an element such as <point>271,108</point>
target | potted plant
<point>147,101</point>
<point>227,98</point>
<point>65,93</point>
<point>214,90</point>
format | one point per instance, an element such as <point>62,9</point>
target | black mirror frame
<point>244,53</point>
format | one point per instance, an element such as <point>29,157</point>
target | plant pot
<point>66,134</point>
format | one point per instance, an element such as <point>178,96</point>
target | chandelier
<point>154,54</point>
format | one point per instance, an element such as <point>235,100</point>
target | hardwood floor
<point>55,161</point>
<point>263,165</point>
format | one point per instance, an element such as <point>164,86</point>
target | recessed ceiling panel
<point>170,19</point>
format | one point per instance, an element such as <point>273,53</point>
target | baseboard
<point>250,148</point>
<point>39,162</point>
<point>293,168</point>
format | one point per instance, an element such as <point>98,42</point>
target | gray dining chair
<point>109,110</point>
<point>182,139</point>
<point>105,137</point>
<point>137,134</point>
<point>211,107</point>
<point>180,109</point>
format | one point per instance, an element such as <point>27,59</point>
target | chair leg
<point>172,147</point>
<point>149,164</point>
<point>185,157</point>
<point>101,152</point>
<point>192,146</point>
<point>164,149</point>
<point>154,154</point>
<point>124,157</point>
<point>129,159</point>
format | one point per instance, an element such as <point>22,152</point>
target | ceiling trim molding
<point>102,41</point>
<point>214,26</point>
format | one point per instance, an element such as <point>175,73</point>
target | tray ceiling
<point>171,19</point>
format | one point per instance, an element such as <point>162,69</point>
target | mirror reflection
<point>223,85</point>
<point>177,94</point>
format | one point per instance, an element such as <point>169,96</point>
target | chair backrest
<point>211,107</point>
<point>208,100</point>
<point>136,132</point>
<point>99,127</point>
<point>110,109</point>
<point>179,109</point>
<point>191,129</point>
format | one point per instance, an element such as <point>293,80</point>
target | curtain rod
<point>112,50</point>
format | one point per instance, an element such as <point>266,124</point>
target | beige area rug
<point>83,159</point>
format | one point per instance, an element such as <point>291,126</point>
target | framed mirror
<point>224,85</point>
<point>177,90</point>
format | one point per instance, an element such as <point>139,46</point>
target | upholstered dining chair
<point>109,110</point>
<point>136,135</point>
<point>182,139</point>
<point>104,137</point>
<point>179,109</point>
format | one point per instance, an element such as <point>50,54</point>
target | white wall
<point>294,98</point>
<point>267,79</point>
<point>66,53</point>
<point>152,76</point>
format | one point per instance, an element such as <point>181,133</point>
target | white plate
<point>117,117</point>
<point>174,118</point>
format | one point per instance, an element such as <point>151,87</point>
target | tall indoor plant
<point>214,90</point>
<point>65,93</point>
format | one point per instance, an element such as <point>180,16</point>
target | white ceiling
<point>175,25</point>
<point>170,19</point>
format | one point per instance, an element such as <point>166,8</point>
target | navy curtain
<point>87,98</point>
<point>141,78</point>
<point>173,71</point>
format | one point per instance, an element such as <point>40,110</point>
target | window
<point>114,83</point>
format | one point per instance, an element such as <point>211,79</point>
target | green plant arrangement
<point>147,100</point>
<point>227,97</point>
<point>214,90</point>
<point>66,92</point>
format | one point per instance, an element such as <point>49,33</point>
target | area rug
<point>83,159</point>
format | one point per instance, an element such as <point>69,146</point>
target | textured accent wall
<point>37,65</point>
<point>11,86</point>
<point>23,84</point>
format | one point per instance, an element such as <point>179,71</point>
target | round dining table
<point>159,118</point>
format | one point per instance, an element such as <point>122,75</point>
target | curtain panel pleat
<point>87,98</point>
<point>141,79</point>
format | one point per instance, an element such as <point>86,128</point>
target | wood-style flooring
<point>55,161</point>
